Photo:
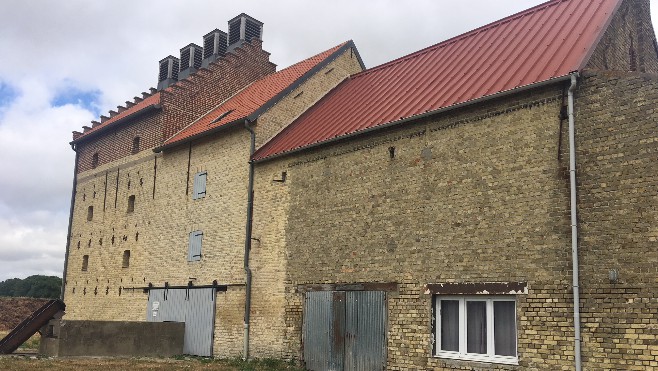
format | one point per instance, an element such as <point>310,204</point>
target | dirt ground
<point>14,310</point>
<point>20,363</point>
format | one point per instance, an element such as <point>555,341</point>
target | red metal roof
<point>251,99</point>
<point>548,41</point>
<point>145,103</point>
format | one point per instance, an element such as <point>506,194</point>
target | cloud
<point>32,246</point>
<point>68,94</point>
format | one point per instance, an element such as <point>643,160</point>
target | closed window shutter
<point>194,248</point>
<point>199,185</point>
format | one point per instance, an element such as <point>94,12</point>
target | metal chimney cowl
<point>190,60</point>
<point>215,43</point>
<point>168,72</point>
<point>242,29</point>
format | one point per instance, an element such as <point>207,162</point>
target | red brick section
<point>180,104</point>
<point>249,100</point>
<point>113,120</point>
<point>188,100</point>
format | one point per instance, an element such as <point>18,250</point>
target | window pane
<point>450,325</point>
<point>504,328</point>
<point>476,327</point>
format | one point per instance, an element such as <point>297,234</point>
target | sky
<point>64,63</point>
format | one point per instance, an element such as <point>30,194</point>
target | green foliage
<point>37,286</point>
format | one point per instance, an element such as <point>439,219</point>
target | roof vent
<point>242,29</point>
<point>190,60</point>
<point>168,73</point>
<point>214,46</point>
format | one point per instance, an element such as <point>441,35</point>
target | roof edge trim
<point>302,79</point>
<point>390,124</point>
<point>267,105</point>
<point>596,42</point>
<point>214,130</point>
<point>123,120</point>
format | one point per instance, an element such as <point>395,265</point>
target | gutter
<point>247,240</point>
<point>574,222</point>
<point>417,117</point>
<point>68,235</point>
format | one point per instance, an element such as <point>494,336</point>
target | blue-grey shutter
<point>199,185</point>
<point>194,248</point>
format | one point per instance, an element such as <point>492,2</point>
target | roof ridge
<point>311,57</point>
<point>459,37</point>
<point>315,61</point>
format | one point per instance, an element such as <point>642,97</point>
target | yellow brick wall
<point>156,233</point>
<point>305,95</point>
<point>483,182</point>
<point>94,294</point>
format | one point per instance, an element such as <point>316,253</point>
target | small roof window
<point>220,117</point>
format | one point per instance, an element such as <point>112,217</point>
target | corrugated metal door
<point>345,330</point>
<point>195,307</point>
<point>365,330</point>
<point>199,331</point>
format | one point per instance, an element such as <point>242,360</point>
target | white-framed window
<point>476,328</point>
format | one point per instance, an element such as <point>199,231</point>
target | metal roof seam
<point>504,56</point>
<point>259,157</point>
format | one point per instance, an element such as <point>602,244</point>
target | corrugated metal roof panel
<point>542,43</point>
<point>252,98</point>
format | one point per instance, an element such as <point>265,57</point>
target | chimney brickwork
<point>179,107</point>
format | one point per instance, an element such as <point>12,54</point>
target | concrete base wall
<point>112,338</point>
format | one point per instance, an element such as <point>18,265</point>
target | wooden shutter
<point>194,248</point>
<point>199,185</point>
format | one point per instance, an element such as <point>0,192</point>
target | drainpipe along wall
<point>247,240</point>
<point>68,236</point>
<point>574,223</point>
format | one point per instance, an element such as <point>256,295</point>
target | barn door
<point>345,330</point>
<point>195,307</point>
<point>365,330</point>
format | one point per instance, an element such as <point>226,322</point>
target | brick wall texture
<point>156,232</point>
<point>479,194</point>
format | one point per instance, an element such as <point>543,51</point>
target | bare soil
<point>14,310</point>
<point>122,364</point>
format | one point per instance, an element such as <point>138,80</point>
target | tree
<point>37,286</point>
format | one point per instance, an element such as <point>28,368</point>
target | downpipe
<point>247,241</point>
<point>574,223</point>
<point>68,235</point>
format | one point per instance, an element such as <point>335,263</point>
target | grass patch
<point>12,363</point>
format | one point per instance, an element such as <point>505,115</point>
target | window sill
<point>478,358</point>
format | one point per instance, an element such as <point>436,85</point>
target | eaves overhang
<point>144,111</point>
<point>391,124</point>
<point>252,117</point>
<point>189,139</point>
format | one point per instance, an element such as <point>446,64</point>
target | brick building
<point>441,211</point>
